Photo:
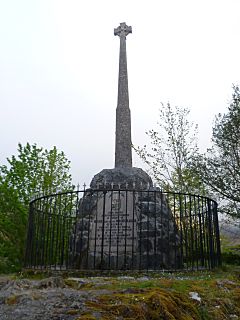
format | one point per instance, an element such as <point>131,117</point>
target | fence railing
<point>109,229</point>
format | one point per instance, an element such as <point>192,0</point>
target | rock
<point>16,285</point>
<point>195,296</point>
<point>122,176</point>
<point>52,282</point>
<point>44,299</point>
<point>127,278</point>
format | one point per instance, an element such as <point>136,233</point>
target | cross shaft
<point>123,143</point>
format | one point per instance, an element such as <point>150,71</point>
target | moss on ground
<point>168,297</point>
<point>164,295</point>
<point>146,304</point>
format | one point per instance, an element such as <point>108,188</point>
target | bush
<point>13,217</point>
<point>231,255</point>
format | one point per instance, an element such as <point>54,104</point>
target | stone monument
<point>123,173</point>
<point>123,223</point>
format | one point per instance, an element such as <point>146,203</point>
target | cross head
<point>123,30</point>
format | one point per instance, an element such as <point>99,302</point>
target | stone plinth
<point>125,224</point>
<point>123,178</point>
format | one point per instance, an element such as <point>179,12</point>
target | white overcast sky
<point>59,71</point>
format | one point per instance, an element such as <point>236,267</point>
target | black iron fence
<point>122,230</point>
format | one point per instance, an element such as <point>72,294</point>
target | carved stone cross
<point>123,143</point>
<point>123,30</point>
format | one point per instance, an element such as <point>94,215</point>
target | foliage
<point>171,148</point>
<point>220,166</point>
<point>32,170</point>
<point>231,255</point>
<point>35,170</point>
<point>230,243</point>
<point>13,216</point>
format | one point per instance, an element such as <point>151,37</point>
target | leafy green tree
<point>56,168</point>
<point>220,166</point>
<point>32,171</point>
<point>36,170</point>
<point>13,217</point>
<point>171,148</point>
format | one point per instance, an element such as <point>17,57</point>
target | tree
<point>171,148</point>
<point>35,170</point>
<point>32,171</point>
<point>13,218</point>
<point>220,166</point>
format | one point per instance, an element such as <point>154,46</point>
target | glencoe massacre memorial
<point>122,221</point>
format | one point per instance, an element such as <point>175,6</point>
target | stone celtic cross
<point>123,30</point>
<point>123,143</point>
